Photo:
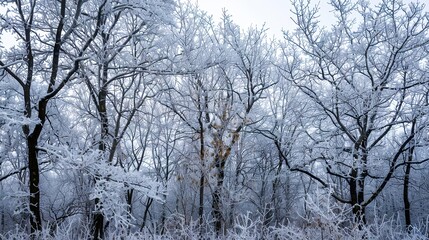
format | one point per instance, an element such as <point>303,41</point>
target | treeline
<point>150,118</point>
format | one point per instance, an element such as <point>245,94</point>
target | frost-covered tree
<point>120,77</point>
<point>45,57</point>
<point>149,118</point>
<point>362,76</point>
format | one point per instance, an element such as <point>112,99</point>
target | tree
<point>128,47</point>
<point>242,80</point>
<point>44,58</point>
<point>357,76</point>
<point>198,54</point>
<point>285,124</point>
<point>215,98</point>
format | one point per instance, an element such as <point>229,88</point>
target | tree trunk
<point>146,212</point>
<point>274,197</point>
<point>202,177</point>
<point>129,199</point>
<point>201,200</point>
<point>217,195</point>
<point>98,221</point>
<point>33,168</point>
<point>223,153</point>
<point>407,204</point>
<point>406,198</point>
<point>357,180</point>
<point>356,196</point>
<point>217,212</point>
<point>98,218</point>
<point>163,217</point>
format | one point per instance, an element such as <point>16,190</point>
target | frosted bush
<point>326,219</point>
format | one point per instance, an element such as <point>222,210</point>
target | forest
<point>151,119</point>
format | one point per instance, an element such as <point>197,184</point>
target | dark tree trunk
<point>356,196</point>
<point>33,168</point>
<point>201,199</point>
<point>98,218</point>
<point>203,117</point>
<point>217,195</point>
<point>202,177</point>
<point>357,180</point>
<point>146,212</point>
<point>216,206</point>
<point>407,204</point>
<point>98,222</point>
<point>129,199</point>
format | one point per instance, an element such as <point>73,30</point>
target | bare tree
<point>45,59</point>
<point>243,81</point>
<point>128,50</point>
<point>357,75</point>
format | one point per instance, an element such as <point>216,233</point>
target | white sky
<point>274,13</point>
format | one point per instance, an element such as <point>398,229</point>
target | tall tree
<point>44,58</point>
<point>358,78</point>
<point>243,80</point>
<point>129,50</point>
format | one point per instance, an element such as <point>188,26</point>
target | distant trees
<point>130,117</point>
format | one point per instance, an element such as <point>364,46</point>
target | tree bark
<point>202,172</point>
<point>223,152</point>
<point>217,195</point>
<point>33,168</point>
<point>407,204</point>
<point>98,222</point>
<point>356,198</point>
<point>98,218</point>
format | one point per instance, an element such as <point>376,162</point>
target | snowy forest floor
<point>244,229</point>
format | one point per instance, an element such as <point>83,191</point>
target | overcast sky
<point>275,13</point>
